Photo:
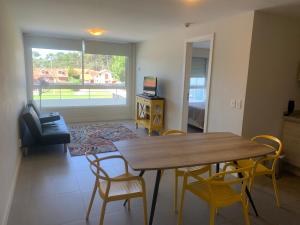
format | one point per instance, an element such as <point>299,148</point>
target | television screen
<point>150,85</point>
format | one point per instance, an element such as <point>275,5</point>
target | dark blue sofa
<point>42,129</point>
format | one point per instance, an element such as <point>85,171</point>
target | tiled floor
<point>54,189</point>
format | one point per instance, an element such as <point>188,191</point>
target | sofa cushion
<point>49,117</point>
<point>55,132</point>
<point>33,122</point>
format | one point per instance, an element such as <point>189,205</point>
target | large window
<point>64,78</point>
<point>56,66</point>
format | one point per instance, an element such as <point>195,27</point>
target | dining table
<point>177,151</point>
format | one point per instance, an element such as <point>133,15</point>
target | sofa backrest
<point>36,109</point>
<point>33,122</point>
<point>25,134</point>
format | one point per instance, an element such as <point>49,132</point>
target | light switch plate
<point>232,103</point>
<point>239,104</point>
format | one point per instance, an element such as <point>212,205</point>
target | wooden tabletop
<point>166,152</point>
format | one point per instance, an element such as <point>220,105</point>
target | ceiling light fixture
<point>96,31</point>
<point>192,2</point>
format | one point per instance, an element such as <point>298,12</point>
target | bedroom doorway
<point>197,84</point>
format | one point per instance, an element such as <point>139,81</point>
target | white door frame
<point>187,72</point>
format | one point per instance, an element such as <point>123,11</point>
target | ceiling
<point>124,20</point>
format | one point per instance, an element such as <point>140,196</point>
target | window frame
<point>126,86</point>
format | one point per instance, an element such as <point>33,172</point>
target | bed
<point>196,114</point>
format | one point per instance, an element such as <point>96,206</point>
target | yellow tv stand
<point>150,113</point>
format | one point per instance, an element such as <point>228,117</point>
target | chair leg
<point>145,209</point>
<point>209,171</point>
<point>102,213</point>
<point>129,207</point>
<point>176,193</point>
<point>91,201</point>
<point>251,183</point>
<point>181,202</point>
<point>65,148</point>
<point>245,212</point>
<point>212,212</point>
<point>275,190</point>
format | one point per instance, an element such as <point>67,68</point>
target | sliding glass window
<point>66,78</point>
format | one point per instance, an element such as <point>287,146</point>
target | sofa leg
<point>65,148</point>
<point>25,151</point>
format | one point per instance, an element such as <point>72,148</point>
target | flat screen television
<point>150,86</point>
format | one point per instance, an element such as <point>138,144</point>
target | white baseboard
<point>12,191</point>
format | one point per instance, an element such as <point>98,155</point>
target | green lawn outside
<point>71,94</point>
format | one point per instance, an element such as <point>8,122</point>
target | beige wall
<point>275,56</point>
<point>164,58</point>
<point>13,96</point>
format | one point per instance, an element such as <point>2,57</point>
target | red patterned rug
<point>97,137</point>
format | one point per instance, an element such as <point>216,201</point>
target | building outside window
<point>73,78</point>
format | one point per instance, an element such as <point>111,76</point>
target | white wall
<point>272,80</point>
<point>164,58</point>
<point>13,97</point>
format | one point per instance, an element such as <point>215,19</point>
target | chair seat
<point>191,169</point>
<point>222,194</point>
<point>260,169</point>
<point>120,189</point>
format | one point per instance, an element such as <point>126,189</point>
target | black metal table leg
<point>140,175</point>
<point>156,187</point>
<point>251,201</point>
<point>217,167</point>
<point>248,194</point>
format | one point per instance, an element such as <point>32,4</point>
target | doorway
<point>197,84</point>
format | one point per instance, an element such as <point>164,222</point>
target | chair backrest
<point>234,176</point>
<point>98,171</point>
<point>271,142</point>
<point>173,132</point>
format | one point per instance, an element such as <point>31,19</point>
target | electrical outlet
<point>232,103</point>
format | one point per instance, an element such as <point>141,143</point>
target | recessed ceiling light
<point>96,31</point>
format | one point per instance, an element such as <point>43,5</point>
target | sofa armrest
<point>49,117</point>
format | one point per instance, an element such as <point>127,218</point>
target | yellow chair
<point>122,187</point>
<point>180,172</point>
<point>259,168</point>
<point>218,190</point>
